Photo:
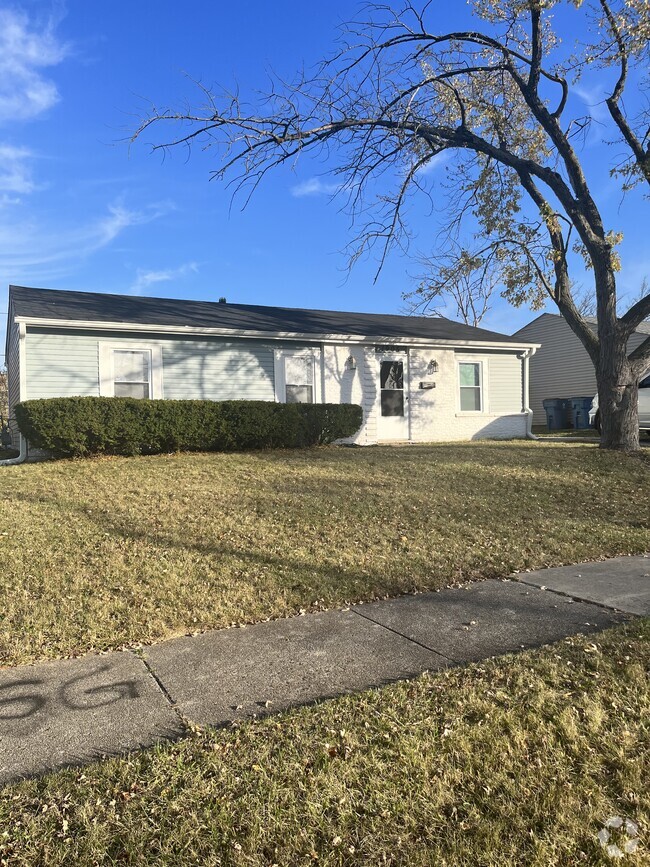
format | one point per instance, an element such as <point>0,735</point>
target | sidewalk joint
<point>161,686</point>
<point>406,637</point>
<point>574,598</point>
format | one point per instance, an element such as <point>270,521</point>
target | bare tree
<point>458,279</point>
<point>641,293</point>
<point>398,93</point>
<point>585,301</point>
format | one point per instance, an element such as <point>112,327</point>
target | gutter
<point>303,337</point>
<point>20,458</point>
<point>525,357</point>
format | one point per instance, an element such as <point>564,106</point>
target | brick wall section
<point>435,414</point>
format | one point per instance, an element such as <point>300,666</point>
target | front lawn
<point>516,761</point>
<point>101,553</point>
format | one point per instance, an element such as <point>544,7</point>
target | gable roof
<point>94,307</point>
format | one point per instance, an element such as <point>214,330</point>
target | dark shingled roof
<point>98,307</point>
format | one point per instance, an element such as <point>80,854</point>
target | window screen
<point>470,386</point>
<point>391,380</point>
<point>299,378</point>
<point>132,373</point>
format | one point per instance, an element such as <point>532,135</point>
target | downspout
<point>22,455</point>
<point>525,357</point>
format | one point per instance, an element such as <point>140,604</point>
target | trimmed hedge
<point>79,426</point>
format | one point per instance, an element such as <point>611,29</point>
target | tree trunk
<point>618,387</point>
<point>618,399</point>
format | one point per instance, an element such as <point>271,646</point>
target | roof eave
<point>191,330</point>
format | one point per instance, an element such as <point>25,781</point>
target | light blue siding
<point>13,366</point>
<point>13,375</point>
<point>60,365</point>
<point>505,383</point>
<point>504,379</point>
<point>218,371</point>
<point>65,364</point>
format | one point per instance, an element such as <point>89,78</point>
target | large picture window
<point>132,373</point>
<point>471,386</point>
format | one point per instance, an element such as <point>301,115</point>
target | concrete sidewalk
<point>72,711</point>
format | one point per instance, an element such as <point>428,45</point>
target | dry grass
<point>98,554</point>
<point>518,761</point>
<point>542,431</point>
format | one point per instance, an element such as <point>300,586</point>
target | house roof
<point>94,307</point>
<point>642,328</point>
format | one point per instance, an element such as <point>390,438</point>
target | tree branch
<point>562,295</point>
<point>536,58</point>
<point>641,157</point>
<point>636,314</point>
<point>640,359</point>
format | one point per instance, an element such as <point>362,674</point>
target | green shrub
<point>77,426</point>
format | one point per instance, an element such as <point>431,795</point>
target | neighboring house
<point>417,378</point>
<point>562,367</point>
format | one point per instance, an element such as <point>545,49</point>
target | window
<point>645,383</point>
<point>470,386</point>
<point>391,381</point>
<point>299,378</point>
<point>132,373</point>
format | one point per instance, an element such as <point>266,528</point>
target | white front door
<point>393,421</point>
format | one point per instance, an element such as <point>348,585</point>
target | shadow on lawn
<point>496,512</point>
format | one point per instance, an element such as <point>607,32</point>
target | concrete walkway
<point>72,711</point>
<point>644,443</point>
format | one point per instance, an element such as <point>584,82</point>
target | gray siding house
<point>561,366</point>
<point>417,378</point>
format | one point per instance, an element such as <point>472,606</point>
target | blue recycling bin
<point>580,407</point>
<point>556,413</point>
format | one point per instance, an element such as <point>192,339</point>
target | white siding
<point>344,385</point>
<point>434,413</point>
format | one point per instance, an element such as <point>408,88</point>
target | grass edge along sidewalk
<point>69,711</point>
<point>188,543</point>
<point>520,759</point>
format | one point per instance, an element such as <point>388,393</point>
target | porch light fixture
<point>432,366</point>
<point>351,363</point>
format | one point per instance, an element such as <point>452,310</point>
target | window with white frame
<point>132,373</point>
<point>299,378</point>
<point>471,386</point>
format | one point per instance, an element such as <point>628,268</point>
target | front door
<point>393,393</point>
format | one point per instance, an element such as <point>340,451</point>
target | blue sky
<point>80,209</point>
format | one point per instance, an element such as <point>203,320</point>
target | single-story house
<point>562,366</point>
<point>418,379</point>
